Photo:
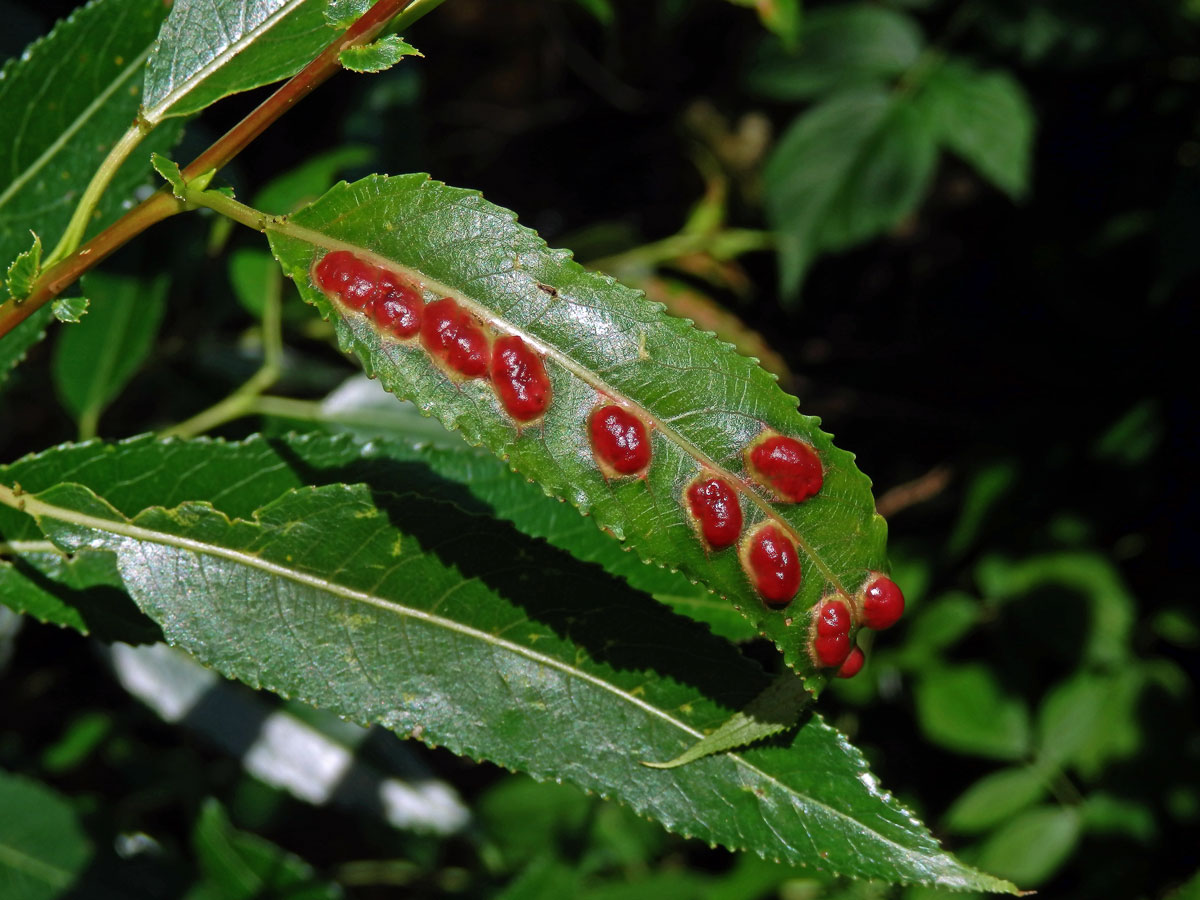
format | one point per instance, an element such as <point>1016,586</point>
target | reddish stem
<point>163,204</point>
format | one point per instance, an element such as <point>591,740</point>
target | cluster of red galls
<point>877,606</point>
<point>450,334</point>
<point>789,469</point>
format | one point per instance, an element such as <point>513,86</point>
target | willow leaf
<point>209,49</point>
<point>703,401</point>
<point>408,610</point>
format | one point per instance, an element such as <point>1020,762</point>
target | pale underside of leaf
<point>229,591</point>
<point>602,343</point>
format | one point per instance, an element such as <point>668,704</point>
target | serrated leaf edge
<point>122,526</point>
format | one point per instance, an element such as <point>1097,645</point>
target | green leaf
<point>242,866</point>
<point>65,101</point>
<point>556,670</point>
<point>1031,847</point>
<point>341,14</point>
<point>703,401</point>
<point>844,46</point>
<point>963,708</point>
<point>601,10</point>
<point>95,359</point>
<point>1090,720</point>
<point>995,798</point>
<point>846,170</point>
<point>772,712</point>
<point>15,344</point>
<point>70,310</point>
<point>1093,576</point>
<point>171,174</point>
<point>984,117</point>
<point>23,271</point>
<point>43,849</point>
<point>209,49</point>
<point>377,55</point>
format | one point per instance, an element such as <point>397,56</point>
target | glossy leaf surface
<point>64,103</point>
<point>564,675</point>
<point>210,49</point>
<point>602,343</point>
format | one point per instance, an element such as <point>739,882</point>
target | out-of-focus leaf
<point>1090,720</point>
<point>242,866</point>
<point>782,17</point>
<point>1032,846</point>
<point>557,670</point>
<point>601,343</point>
<point>209,49</point>
<point>842,46</point>
<point>987,488</point>
<point>964,709</point>
<point>545,878</point>
<point>846,170</point>
<point>938,625</point>
<point>95,359</point>
<point>984,117</point>
<point>310,179</point>
<point>43,849</point>
<point>252,272</point>
<point>1090,574</point>
<point>994,798</point>
<point>1107,814</point>
<point>79,739</point>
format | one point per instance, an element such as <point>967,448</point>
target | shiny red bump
<point>831,634</point>
<point>715,506</point>
<point>520,379</point>
<point>882,603</point>
<point>397,306</point>
<point>350,278</point>
<point>450,333</point>
<point>853,664</point>
<point>774,568</point>
<point>619,440</point>
<point>787,466</point>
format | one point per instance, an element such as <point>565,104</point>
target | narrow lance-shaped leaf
<point>407,609</point>
<point>210,49</point>
<point>603,345</point>
<point>238,478</point>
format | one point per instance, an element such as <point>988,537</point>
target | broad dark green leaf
<point>43,849</point>
<point>95,359</point>
<point>1090,720</point>
<point>846,170</point>
<point>64,103</point>
<point>209,49</point>
<point>963,708</point>
<point>843,46</point>
<point>602,342</point>
<point>984,117</point>
<point>418,610</point>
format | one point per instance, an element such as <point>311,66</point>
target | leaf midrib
<point>38,508</point>
<point>285,227</point>
<point>158,112</point>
